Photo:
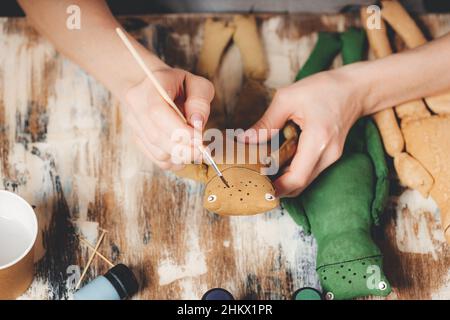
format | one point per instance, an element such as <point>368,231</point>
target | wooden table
<point>65,148</point>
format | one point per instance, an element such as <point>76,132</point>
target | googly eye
<point>329,296</point>
<point>269,197</point>
<point>382,285</point>
<point>212,198</point>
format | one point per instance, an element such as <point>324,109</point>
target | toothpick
<point>166,97</point>
<point>90,260</point>
<point>149,73</point>
<point>87,244</point>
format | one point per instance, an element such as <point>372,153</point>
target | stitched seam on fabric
<point>354,260</point>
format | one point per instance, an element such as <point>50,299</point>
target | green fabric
<point>327,48</point>
<point>340,207</point>
<point>353,45</point>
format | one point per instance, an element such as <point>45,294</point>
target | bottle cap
<point>307,293</point>
<point>123,280</point>
<point>217,294</point>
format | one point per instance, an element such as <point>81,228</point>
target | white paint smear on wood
<point>414,232</point>
<point>255,236</point>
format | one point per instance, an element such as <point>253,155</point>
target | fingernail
<point>197,120</point>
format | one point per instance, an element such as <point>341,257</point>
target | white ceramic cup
<point>18,233</point>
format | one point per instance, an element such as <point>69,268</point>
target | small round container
<point>217,294</point>
<point>18,234</point>
<point>307,293</point>
<point>118,283</point>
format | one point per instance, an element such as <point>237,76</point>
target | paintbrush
<point>166,98</point>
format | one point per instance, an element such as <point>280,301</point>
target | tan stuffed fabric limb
<point>399,19</point>
<point>378,39</point>
<point>385,120</point>
<point>439,104</point>
<point>412,174</point>
<point>250,45</point>
<point>425,166</point>
<point>427,141</point>
<point>390,132</point>
<point>412,110</point>
<point>217,34</point>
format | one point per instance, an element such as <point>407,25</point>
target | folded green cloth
<point>340,207</point>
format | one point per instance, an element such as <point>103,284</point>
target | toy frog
<point>420,146</point>
<point>250,190</point>
<point>341,206</point>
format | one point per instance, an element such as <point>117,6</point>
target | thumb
<point>199,94</point>
<point>265,128</point>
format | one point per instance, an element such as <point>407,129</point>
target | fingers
<point>273,119</point>
<point>180,154</point>
<point>318,148</point>
<point>199,94</point>
<point>155,121</point>
<point>165,165</point>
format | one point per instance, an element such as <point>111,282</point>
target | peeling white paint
<point>414,233</point>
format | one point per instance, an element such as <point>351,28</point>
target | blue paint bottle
<point>118,283</point>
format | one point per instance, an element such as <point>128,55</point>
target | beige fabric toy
<point>250,191</point>
<point>421,146</point>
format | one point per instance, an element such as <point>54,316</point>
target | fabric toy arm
<point>217,34</point>
<point>376,153</point>
<point>327,48</point>
<point>249,42</point>
<point>295,209</point>
<point>386,121</point>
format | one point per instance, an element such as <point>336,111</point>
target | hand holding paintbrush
<point>166,97</point>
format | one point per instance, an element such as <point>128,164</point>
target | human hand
<point>154,122</point>
<point>325,106</point>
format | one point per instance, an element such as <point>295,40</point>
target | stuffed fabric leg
<point>340,207</point>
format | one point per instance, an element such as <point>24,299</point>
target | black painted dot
<point>354,273</point>
<point>350,281</point>
<point>248,194</point>
<point>337,272</point>
<point>324,278</point>
<point>364,277</point>
<point>239,190</point>
<point>241,199</point>
<point>342,265</point>
<point>343,277</point>
<point>349,270</point>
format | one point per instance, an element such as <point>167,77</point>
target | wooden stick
<point>96,252</point>
<point>166,97</point>
<point>90,260</point>
<point>149,74</point>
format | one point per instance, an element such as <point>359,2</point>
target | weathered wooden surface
<point>64,147</point>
